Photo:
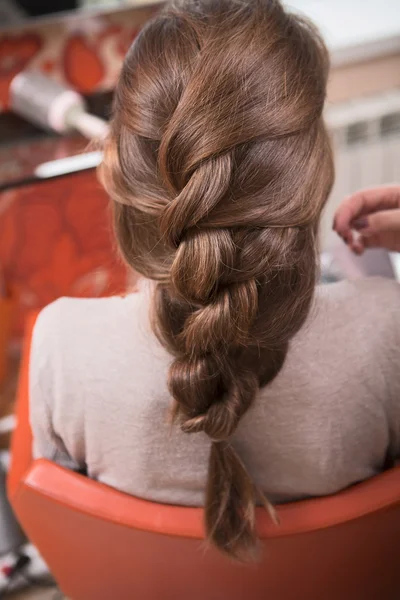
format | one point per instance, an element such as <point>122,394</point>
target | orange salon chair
<point>101,544</point>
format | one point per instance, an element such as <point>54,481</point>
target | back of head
<point>219,165</point>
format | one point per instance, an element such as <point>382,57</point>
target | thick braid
<point>211,384</point>
<point>219,165</point>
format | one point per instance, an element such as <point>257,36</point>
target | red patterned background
<point>84,52</point>
<point>56,241</point>
<point>55,237</point>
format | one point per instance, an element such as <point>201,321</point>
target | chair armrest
<point>21,444</point>
<point>6,310</point>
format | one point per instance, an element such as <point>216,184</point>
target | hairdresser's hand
<point>370,219</point>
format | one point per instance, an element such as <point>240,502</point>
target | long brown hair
<point>219,165</point>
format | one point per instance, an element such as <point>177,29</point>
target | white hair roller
<point>49,104</point>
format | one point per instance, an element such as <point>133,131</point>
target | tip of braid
<point>230,483</point>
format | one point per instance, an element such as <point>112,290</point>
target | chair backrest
<point>102,544</point>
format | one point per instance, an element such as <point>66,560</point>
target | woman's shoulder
<point>81,316</point>
<point>364,305</point>
<point>368,291</point>
<point>71,310</point>
<point>81,330</point>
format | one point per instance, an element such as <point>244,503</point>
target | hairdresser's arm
<point>42,375</point>
<point>375,215</point>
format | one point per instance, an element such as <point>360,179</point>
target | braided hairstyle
<point>219,165</point>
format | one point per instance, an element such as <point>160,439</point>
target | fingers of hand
<point>379,222</point>
<point>354,241</point>
<point>365,202</point>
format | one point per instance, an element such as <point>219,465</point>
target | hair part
<point>219,165</point>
